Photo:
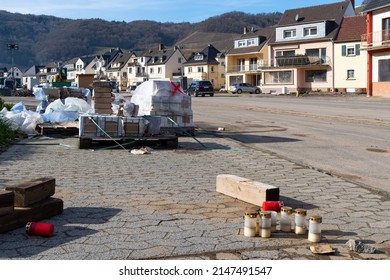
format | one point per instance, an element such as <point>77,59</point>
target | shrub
<point>6,133</point>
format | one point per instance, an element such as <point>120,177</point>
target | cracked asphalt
<point>163,205</point>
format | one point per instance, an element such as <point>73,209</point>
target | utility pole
<point>13,47</point>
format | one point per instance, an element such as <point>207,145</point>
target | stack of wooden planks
<point>28,201</point>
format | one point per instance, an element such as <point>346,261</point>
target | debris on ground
<point>359,247</point>
<point>322,249</point>
<point>142,151</point>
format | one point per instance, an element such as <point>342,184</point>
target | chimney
<point>160,47</point>
<point>245,29</point>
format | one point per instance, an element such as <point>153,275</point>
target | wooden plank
<point>39,211</point>
<point>246,190</point>
<point>29,192</point>
<point>6,202</point>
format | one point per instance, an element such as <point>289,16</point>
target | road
<point>347,136</point>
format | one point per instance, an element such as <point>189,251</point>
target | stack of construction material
<point>92,126</point>
<point>102,94</point>
<point>28,201</point>
<point>165,99</point>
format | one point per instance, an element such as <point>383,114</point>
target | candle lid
<point>317,219</point>
<point>286,209</point>
<point>300,211</point>
<point>265,214</point>
<point>252,213</point>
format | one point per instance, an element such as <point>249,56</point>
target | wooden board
<point>22,215</point>
<point>30,192</point>
<point>6,202</point>
<point>246,190</point>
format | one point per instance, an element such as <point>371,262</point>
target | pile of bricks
<point>102,94</point>
<point>28,201</point>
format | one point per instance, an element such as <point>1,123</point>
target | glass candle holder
<point>265,218</point>
<point>285,218</point>
<point>300,217</point>
<point>315,229</point>
<point>251,223</point>
<point>274,220</point>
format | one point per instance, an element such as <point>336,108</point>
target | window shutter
<point>344,50</point>
<point>357,49</point>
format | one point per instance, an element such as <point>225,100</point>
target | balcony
<point>376,40</point>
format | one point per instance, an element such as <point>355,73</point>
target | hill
<point>44,39</point>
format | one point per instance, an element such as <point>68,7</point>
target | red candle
<point>272,206</point>
<point>40,229</point>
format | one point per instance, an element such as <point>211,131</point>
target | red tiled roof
<point>352,28</point>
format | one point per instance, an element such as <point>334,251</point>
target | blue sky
<point>157,10</point>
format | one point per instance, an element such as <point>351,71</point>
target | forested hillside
<point>43,39</point>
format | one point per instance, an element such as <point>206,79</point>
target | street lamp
<point>13,47</point>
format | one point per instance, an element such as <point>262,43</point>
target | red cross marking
<point>176,88</point>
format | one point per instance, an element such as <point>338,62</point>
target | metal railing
<point>376,39</point>
<point>279,62</point>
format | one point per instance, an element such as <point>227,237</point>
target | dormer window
<point>310,31</point>
<point>198,56</point>
<point>289,33</point>
<point>243,43</point>
<point>251,42</point>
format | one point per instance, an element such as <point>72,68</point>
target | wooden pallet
<point>68,129</point>
<point>159,141</point>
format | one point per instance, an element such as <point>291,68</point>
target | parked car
<point>244,87</point>
<point>201,88</point>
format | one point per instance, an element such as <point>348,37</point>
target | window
<point>130,71</point>
<point>198,57</point>
<point>151,71</point>
<point>241,44</point>
<point>310,31</point>
<point>159,70</point>
<point>179,60</point>
<point>279,77</point>
<point>189,69</point>
<point>386,29</point>
<point>350,50</point>
<point>290,33</point>
<point>241,65</point>
<point>285,53</point>
<point>212,69</point>
<point>384,70</point>
<point>253,64</point>
<point>315,76</point>
<point>350,74</point>
<point>321,53</point>
<point>251,42</point>
<point>200,69</point>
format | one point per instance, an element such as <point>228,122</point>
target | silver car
<point>244,87</point>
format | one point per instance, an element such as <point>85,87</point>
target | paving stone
<point>128,210</point>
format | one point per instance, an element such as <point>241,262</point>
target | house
<point>30,78</point>
<point>245,58</point>
<point>136,69</point>
<point>164,63</point>
<point>85,65</point>
<point>208,64</point>
<point>301,49</point>
<point>46,74</point>
<point>70,66</point>
<point>101,63</point>
<point>376,42</point>
<point>118,69</point>
<point>350,63</point>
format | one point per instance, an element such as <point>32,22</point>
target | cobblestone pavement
<point>163,205</point>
